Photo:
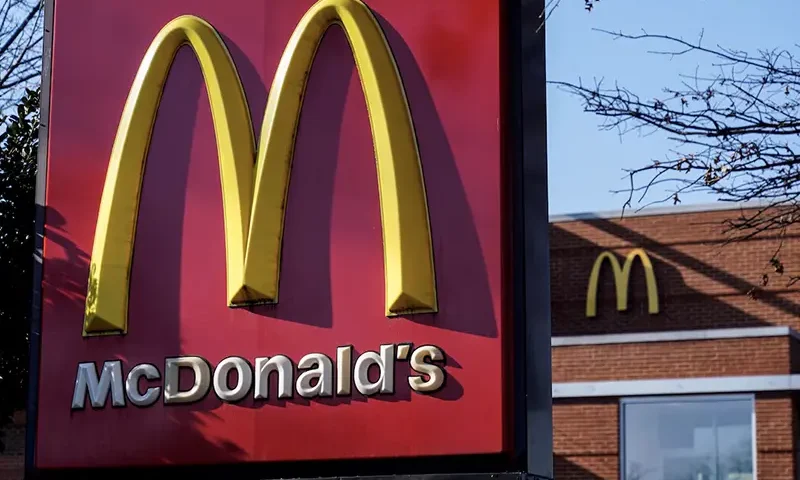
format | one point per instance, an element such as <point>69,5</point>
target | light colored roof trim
<point>683,386</point>
<point>673,336</point>
<point>661,210</point>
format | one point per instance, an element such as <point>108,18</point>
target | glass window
<point>687,438</point>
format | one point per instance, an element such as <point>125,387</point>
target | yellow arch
<point>408,254</point>
<point>622,277</point>
<point>255,183</point>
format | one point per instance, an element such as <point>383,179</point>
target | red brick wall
<point>775,434</point>
<point>586,439</point>
<point>702,283</point>
<point>696,358</point>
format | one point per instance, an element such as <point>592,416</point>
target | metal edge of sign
<point>525,145</point>
<point>527,133</point>
<point>32,403</point>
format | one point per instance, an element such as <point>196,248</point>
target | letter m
<point>255,178</point>
<point>110,381</point>
<point>622,276</point>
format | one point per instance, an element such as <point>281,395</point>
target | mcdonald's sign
<point>622,276</point>
<point>336,284</point>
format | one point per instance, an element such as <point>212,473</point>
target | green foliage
<point>19,143</point>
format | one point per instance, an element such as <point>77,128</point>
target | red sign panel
<point>265,262</point>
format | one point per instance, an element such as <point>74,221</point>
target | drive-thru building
<point>689,377</point>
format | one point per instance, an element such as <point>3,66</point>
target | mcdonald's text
<point>315,377</point>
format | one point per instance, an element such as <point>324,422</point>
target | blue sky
<point>585,163</point>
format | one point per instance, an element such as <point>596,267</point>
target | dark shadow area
<point>255,91</point>
<point>402,390</point>
<point>464,307</point>
<point>305,276</point>
<point>159,253</point>
<point>156,269</point>
<point>681,306</point>
<point>565,469</point>
<point>307,296</point>
<point>66,278</point>
<point>464,466</point>
<point>452,389</point>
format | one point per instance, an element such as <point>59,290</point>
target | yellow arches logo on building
<point>254,179</point>
<point>622,275</point>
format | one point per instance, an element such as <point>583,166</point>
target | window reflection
<point>708,438</point>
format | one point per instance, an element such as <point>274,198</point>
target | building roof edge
<point>654,211</point>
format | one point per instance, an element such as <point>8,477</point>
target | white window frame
<point>623,402</point>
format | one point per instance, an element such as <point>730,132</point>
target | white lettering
<point>435,373</point>
<point>385,363</point>
<point>344,369</point>
<point>322,373</point>
<point>150,396</point>
<point>202,380</point>
<point>98,389</point>
<point>280,364</point>
<point>244,379</point>
<point>315,377</point>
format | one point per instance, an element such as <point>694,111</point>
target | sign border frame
<point>526,232</point>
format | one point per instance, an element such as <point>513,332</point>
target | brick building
<point>695,382</point>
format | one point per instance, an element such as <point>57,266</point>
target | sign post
<point>359,287</point>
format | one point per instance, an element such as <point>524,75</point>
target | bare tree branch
<point>736,132</point>
<point>550,7</point>
<point>21,35</point>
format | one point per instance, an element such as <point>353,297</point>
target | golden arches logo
<point>255,180</point>
<point>622,275</point>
